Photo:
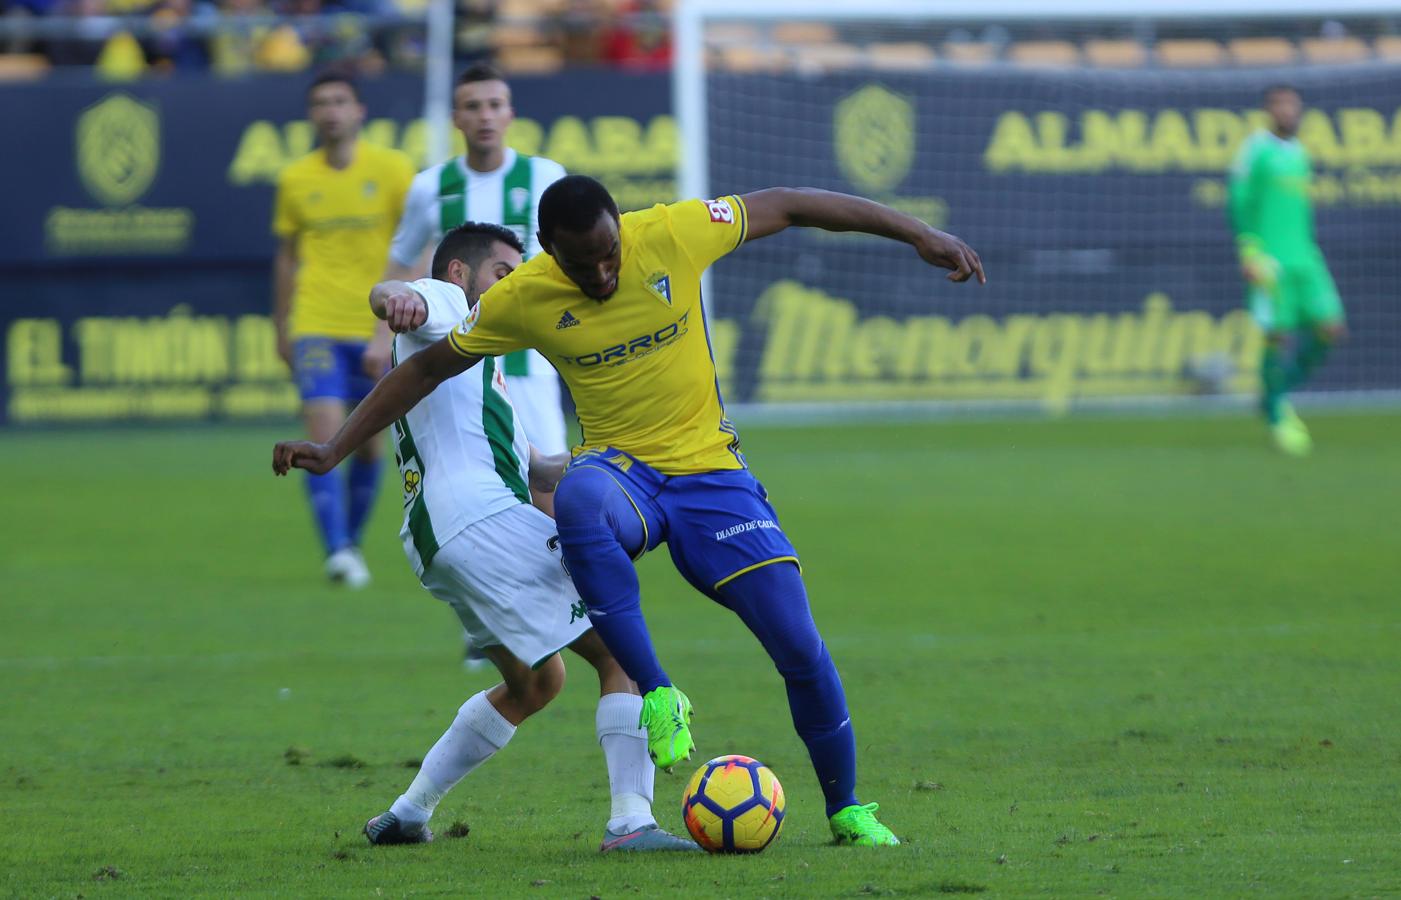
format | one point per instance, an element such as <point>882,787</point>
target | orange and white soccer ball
<point>733,804</point>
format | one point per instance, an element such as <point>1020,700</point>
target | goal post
<point>1084,152</point>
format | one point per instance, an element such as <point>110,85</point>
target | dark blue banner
<point>135,245</point>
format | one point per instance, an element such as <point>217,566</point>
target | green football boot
<point>666,714</point>
<point>1290,433</point>
<point>857,825</point>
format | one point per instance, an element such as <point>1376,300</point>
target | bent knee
<point>534,692</point>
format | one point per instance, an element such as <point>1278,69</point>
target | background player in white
<point>490,183</point>
<point>478,544</point>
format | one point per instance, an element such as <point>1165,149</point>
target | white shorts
<point>505,579</point>
<point>536,398</point>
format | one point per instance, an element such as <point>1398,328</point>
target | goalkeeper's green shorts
<point>1304,296</point>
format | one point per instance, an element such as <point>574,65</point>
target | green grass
<point>1130,658</point>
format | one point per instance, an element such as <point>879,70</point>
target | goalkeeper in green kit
<point>1288,287</point>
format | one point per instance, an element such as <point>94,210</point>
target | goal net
<point>1085,158</point>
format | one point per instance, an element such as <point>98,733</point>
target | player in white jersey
<point>478,544</point>
<point>490,183</point>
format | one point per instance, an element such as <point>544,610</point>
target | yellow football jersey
<point>343,221</point>
<point>639,363</point>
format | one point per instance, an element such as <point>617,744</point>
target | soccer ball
<point>733,804</point>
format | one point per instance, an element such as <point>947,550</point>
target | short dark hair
<point>1280,87</point>
<point>574,203</point>
<point>470,243</point>
<point>335,76</point>
<point>479,71</point>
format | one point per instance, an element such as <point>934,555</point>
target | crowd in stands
<point>132,38</point>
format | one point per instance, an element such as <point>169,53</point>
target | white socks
<point>630,769</point>
<point>474,736</point>
<point>479,731</point>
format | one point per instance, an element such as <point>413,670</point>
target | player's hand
<point>939,248</point>
<point>405,311</point>
<point>375,360</point>
<point>314,458</point>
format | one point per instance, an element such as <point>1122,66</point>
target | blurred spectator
<point>576,28</point>
<point>639,37</point>
<point>172,44</point>
<point>84,45</point>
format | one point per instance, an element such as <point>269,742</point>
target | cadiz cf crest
<point>118,149</point>
<point>875,138</point>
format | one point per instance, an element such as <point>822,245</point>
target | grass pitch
<point>1126,658</point>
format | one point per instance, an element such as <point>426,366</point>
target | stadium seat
<point>1043,54</point>
<point>526,9</point>
<point>744,58</point>
<point>827,57</point>
<point>898,57</point>
<point>1190,52</point>
<point>1116,54</point>
<point>505,35</point>
<point>969,53</point>
<point>731,33</point>
<point>1335,50</point>
<point>23,66</point>
<point>803,33</point>
<point>1388,47</point>
<point>1262,51</point>
<point>539,60</point>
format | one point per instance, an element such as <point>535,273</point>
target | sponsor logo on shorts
<point>753,525</point>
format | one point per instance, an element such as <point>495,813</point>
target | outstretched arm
<point>774,209</point>
<point>394,395</point>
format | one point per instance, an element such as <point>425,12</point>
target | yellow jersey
<point>343,221</point>
<point>639,364</point>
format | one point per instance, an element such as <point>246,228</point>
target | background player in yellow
<point>335,214</point>
<point>616,307</point>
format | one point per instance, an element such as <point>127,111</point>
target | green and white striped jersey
<point>448,194</point>
<point>462,453</point>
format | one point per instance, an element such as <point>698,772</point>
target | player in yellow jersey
<point>335,214</point>
<point>615,305</point>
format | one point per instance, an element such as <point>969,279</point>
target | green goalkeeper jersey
<point>1270,207</point>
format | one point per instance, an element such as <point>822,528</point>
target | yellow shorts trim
<point>759,565</point>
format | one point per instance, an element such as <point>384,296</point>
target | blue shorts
<point>717,525</point>
<point>330,369</point>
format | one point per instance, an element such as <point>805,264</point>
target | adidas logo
<point>566,321</point>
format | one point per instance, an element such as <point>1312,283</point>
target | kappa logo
<point>568,320</point>
<point>660,284</point>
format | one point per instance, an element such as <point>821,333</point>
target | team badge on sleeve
<point>721,212</point>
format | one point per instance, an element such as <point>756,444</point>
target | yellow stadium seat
<point>897,57</point>
<point>730,33</point>
<point>753,59</point>
<point>121,59</point>
<point>23,66</point>
<point>530,60</point>
<point>1388,47</point>
<point>1189,53</point>
<point>1108,54</point>
<point>1335,50</point>
<point>969,53</point>
<point>803,33</point>
<point>503,36</point>
<point>1055,54</point>
<point>1263,51</point>
<point>827,57</point>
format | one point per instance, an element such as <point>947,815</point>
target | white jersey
<point>448,194</point>
<point>462,453</point>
